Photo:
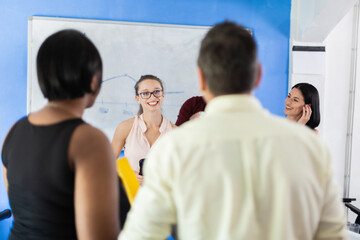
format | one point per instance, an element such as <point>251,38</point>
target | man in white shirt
<point>238,172</point>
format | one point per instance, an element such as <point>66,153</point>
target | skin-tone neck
<point>55,111</point>
<point>208,95</point>
<point>293,118</point>
<point>152,119</point>
<point>73,107</point>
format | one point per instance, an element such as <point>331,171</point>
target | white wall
<point>337,86</point>
<point>355,160</point>
<point>337,83</point>
<point>334,87</point>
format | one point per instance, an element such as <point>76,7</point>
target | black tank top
<point>40,181</point>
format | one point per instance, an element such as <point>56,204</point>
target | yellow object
<point>128,178</point>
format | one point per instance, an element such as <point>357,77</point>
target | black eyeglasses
<point>147,95</point>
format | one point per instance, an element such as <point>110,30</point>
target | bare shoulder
<point>121,133</point>
<point>123,129</point>
<point>127,124</point>
<point>89,142</point>
<point>87,133</point>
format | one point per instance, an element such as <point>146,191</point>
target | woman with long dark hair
<point>302,105</point>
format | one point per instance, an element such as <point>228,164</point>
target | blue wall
<point>268,19</point>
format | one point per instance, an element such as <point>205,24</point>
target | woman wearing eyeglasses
<point>138,134</point>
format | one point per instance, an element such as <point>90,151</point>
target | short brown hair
<point>228,59</point>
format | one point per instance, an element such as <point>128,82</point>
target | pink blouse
<point>136,144</point>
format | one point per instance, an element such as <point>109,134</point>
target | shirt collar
<point>231,102</point>
<point>142,124</point>
<point>144,128</point>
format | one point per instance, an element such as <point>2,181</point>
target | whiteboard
<point>128,50</point>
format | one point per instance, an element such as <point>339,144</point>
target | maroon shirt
<point>189,108</point>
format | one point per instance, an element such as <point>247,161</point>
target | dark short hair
<point>66,63</point>
<point>311,96</point>
<point>228,59</point>
<point>143,78</point>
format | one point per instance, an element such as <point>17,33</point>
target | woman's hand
<point>306,114</point>
<point>139,177</point>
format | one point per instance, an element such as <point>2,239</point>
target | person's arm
<point>332,224</point>
<point>118,141</point>
<point>96,184</point>
<point>153,211</point>
<point>5,178</point>
<point>120,135</point>
<point>4,164</point>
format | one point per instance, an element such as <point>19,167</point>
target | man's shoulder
<point>285,127</point>
<point>180,135</point>
<point>294,133</point>
<point>261,125</point>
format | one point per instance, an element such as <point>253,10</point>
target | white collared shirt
<point>238,173</point>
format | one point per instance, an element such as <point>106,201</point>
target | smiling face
<point>294,103</point>
<point>152,103</point>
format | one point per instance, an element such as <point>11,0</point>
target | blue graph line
<point>104,110</point>
<point>119,76</point>
<point>134,80</point>
<point>102,102</point>
<point>174,92</point>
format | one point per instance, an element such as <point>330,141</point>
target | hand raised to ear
<point>306,114</point>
